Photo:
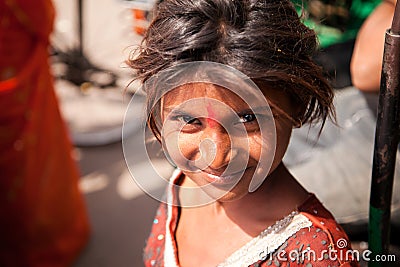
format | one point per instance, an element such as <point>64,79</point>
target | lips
<point>223,178</point>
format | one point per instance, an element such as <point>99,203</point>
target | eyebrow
<point>242,112</point>
<point>174,110</point>
<point>255,110</point>
<point>178,111</point>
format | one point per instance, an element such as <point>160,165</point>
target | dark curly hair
<point>264,39</point>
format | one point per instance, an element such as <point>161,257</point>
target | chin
<point>223,192</point>
<point>232,196</point>
<point>238,192</point>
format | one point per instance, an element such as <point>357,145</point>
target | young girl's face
<point>214,137</point>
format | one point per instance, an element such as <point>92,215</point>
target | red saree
<point>43,216</point>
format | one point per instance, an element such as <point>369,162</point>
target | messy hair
<point>264,39</point>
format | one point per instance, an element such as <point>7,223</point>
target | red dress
<point>309,236</point>
<point>43,216</point>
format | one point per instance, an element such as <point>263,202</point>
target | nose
<point>215,147</point>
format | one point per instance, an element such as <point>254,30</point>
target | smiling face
<point>219,141</point>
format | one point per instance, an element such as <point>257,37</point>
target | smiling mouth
<point>224,179</point>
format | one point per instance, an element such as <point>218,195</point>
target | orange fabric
<point>43,216</point>
<point>139,16</point>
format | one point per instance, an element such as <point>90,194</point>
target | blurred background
<point>120,213</point>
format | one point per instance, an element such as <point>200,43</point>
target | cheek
<point>262,147</point>
<point>188,145</point>
<point>283,137</point>
<point>269,151</point>
<point>255,148</point>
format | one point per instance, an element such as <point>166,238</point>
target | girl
<point>194,61</point>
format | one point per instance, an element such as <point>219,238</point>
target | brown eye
<point>188,119</point>
<point>247,118</point>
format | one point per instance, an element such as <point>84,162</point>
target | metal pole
<point>386,142</point>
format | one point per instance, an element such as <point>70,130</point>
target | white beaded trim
<point>268,241</point>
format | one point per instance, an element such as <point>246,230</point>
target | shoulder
<point>315,246</point>
<point>166,215</point>
<point>324,243</point>
<point>153,251</point>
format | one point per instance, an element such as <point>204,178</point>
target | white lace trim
<point>266,243</point>
<point>169,253</point>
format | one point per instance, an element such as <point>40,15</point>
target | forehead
<point>183,93</point>
<point>206,91</point>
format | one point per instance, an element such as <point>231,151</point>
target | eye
<point>187,119</point>
<point>246,118</point>
<point>184,122</point>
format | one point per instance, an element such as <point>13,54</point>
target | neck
<point>269,191</point>
<point>278,196</point>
